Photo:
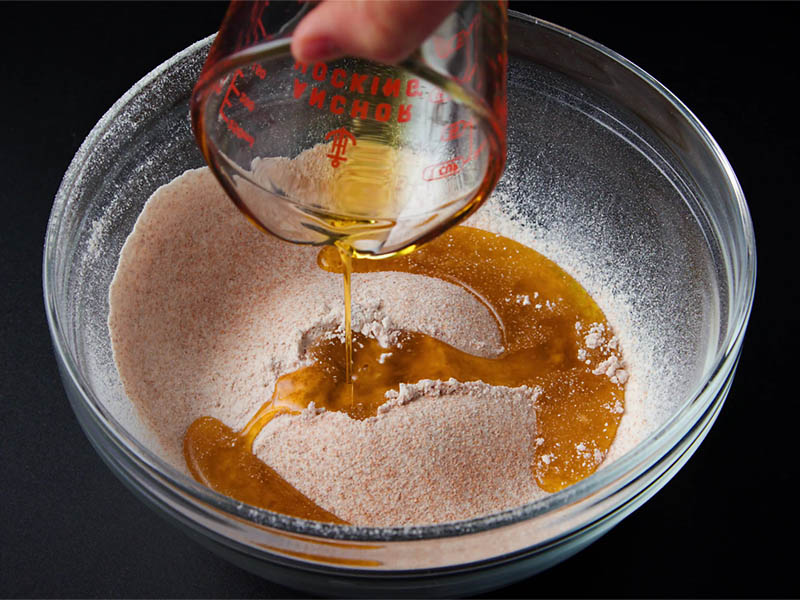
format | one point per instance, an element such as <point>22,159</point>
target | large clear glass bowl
<point>602,159</point>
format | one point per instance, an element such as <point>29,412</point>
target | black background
<point>725,526</point>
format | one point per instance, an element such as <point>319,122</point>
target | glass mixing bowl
<point>603,163</point>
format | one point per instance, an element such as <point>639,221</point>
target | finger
<point>384,31</point>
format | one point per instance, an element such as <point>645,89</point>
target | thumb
<point>382,31</point>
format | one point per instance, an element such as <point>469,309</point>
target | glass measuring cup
<point>372,157</point>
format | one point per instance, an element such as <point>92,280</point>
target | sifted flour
<point>438,451</point>
<point>207,312</point>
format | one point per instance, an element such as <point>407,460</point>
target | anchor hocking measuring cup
<point>379,158</point>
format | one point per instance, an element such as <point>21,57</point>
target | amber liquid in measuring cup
<point>408,150</point>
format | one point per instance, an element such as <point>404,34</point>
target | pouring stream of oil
<point>543,316</point>
<point>347,275</point>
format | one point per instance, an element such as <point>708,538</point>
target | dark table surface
<point>724,526</point>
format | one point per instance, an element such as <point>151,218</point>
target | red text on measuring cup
<point>343,82</point>
<point>442,170</point>
<point>341,137</point>
<point>233,126</point>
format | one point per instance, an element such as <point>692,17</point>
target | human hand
<point>385,31</point>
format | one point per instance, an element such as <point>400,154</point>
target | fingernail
<point>318,49</point>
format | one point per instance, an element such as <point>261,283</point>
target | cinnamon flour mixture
<point>449,451</point>
<point>207,312</point>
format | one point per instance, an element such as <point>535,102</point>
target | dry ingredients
<point>207,314</point>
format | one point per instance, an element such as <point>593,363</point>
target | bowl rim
<point>608,478</point>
